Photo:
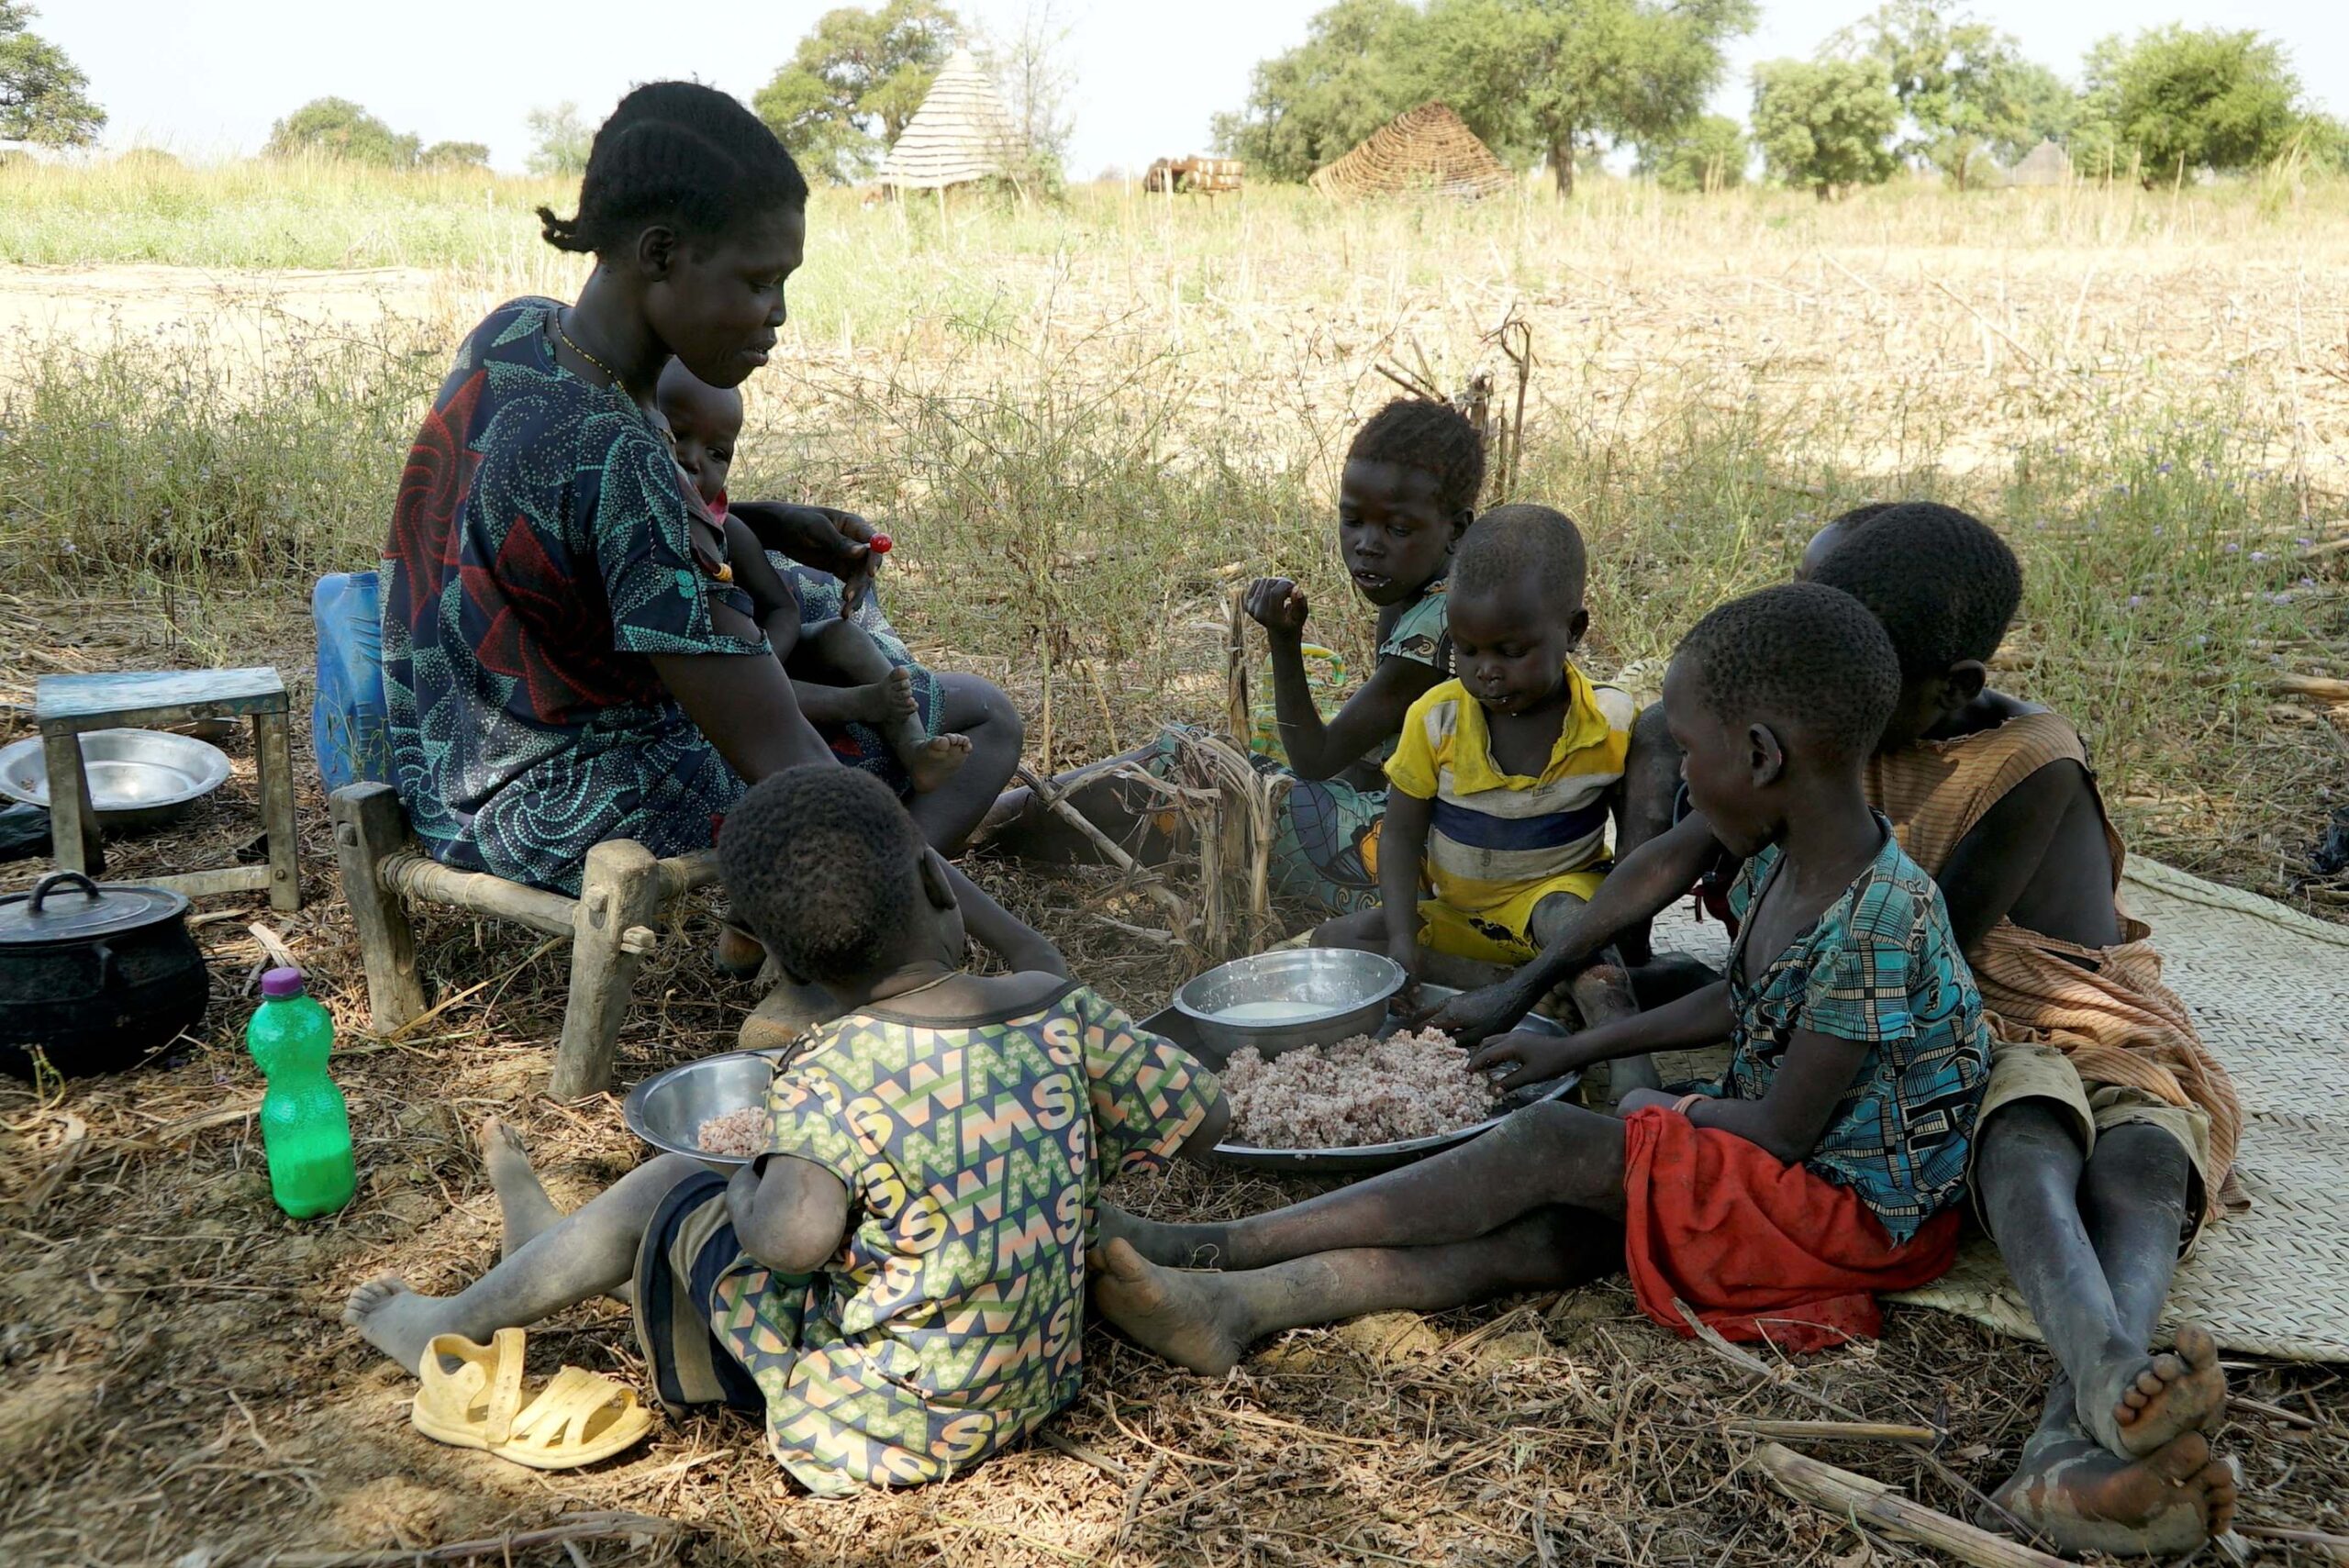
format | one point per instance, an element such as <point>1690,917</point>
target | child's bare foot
<point>523,1207</point>
<point>1190,1319</point>
<point>933,761</point>
<point>1603,992</point>
<point>885,702</point>
<point>2084,1498</point>
<point>1171,1246</point>
<point>2135,1408</point>
<point>396,1320</point>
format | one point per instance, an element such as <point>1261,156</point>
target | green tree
<point>1535,78</point>
<point>1560,78</point>
<point>2041,106</point>
<point>337,128</point>
<point>1707,155</point>
<point>42,99</point>
<point>1826,123</point>
<point>560,140</point>
<point>853,83</point>
<point>1362,63</point>
<point>1963,85</point>
<point>2175,100</point>
<point>455,155</point>
<point>1032,64</point>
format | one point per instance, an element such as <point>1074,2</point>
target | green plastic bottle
<point>304,1126</point>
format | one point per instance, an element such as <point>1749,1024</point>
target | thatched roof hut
<point>958,136</point>
<point>2047,164</point>
<point>1429,148</point>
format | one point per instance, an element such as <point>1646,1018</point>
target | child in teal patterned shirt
<point>897,1285</point>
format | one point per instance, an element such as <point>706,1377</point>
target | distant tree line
<point>1916,82</point>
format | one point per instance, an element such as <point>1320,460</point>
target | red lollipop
<point>881,544</point>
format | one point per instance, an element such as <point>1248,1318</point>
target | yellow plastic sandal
<point>578,1418</point>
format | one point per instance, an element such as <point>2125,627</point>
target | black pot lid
<point>66,907</point>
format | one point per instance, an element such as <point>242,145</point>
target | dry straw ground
<point>1084,426</point>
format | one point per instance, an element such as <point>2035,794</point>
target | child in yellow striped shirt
<point>1504,778</point>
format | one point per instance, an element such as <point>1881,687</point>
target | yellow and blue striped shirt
<point>1494,834</point>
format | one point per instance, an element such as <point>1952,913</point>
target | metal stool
<point>66,705</point>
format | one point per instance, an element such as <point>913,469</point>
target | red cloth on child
<point>1760,1250</point>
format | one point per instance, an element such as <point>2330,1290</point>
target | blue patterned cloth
<point>540,551</point>
<point>1879,966</point>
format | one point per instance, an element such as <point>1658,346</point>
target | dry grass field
<point>1085,424</point>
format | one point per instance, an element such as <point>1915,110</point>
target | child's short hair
<point>1865,513</point>
<point>1798,655</point>
<point>1433,438</point>
<point>677,152</point>
<point>823,866</point>
<point>1519,542</point>
<point>1945,584</point>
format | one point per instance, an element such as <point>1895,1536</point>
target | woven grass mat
<point>2269,987</point>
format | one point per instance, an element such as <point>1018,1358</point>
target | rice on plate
<point>1362,1090</point>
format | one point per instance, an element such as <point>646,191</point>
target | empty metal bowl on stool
<point>667,1110</point>
<point>1339,993</point>
<point>139,778</point>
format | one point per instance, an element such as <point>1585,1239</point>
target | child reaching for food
<point>1407,491</point>
<point>896,1282</point>
<point>1829,1163</point>
<point>1502,783</point>
<point>844,672</point>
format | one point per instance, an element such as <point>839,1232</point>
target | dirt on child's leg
<point>2081,1496</point>
<point>1206,1321</point>
<point>523,1207</point>
<point>1543,1155</point>
<point>2134,1196</point>
<point>590,1252</point>
<point>2092,1255</point>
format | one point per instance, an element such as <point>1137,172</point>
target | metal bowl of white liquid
<point>1278,1001</point>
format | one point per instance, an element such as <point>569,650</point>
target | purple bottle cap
<point>280,984</point>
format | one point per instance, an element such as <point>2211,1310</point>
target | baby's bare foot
<point>887,701</point>
<point>1190,1319</point>
<point>523,1207</point>
<point>396,1320</point>
<point>2071,1490</point>
<point>934,761</point>
<point>2135,1409</point>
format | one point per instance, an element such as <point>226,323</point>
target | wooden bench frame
<point>611,925</point>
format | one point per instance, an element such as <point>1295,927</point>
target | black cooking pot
<point>96,976</point>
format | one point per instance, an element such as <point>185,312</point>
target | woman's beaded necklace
<point>572,344</point>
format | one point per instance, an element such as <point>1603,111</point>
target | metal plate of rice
<point>1363,1159</point>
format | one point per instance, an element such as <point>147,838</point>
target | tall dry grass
<point>1086,422</point>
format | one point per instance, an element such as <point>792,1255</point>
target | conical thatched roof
<point>959,135</point>
<point>1428,148</point>
<point>2047,164</point>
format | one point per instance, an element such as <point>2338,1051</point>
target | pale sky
<point>206,77</point>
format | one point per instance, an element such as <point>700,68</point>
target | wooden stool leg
<point>273,761</point>
<point>620,890</point>
<point>73,837</point>
<point>368,830</point>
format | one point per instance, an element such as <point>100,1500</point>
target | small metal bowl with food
<point>714,1109</point>
<point>1322,1081</point>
